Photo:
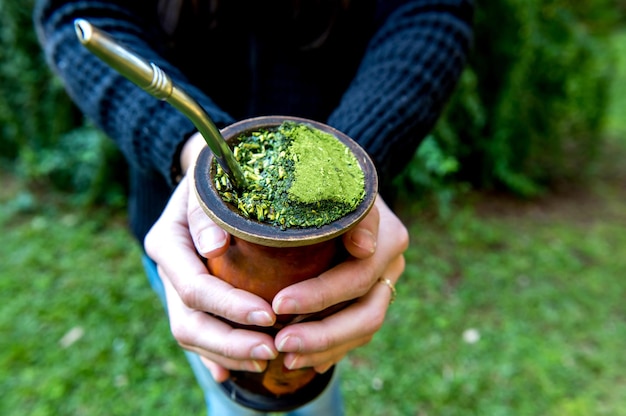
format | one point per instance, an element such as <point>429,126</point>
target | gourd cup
<point>263,259</point>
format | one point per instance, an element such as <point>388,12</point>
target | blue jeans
<point>329,403</point>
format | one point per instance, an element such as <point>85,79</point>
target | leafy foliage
<point>34,109</point>
<point>528,111</point>
<point>42,135</point>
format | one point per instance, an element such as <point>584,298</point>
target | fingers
<point>321,343</point>
<point>208,238</point>
<point>184,230</point>
<point>350,279</point>
<point>169,238</point>
<point>219,373</point>
<point>191,292</point>
<point>171,246</point>
<point>221,346</point>
<point>207,293</point>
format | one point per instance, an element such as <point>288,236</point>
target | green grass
<point>545,292</point>
<point>69,271</point>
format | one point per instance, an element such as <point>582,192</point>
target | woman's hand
<point>191,291</point>
<point>377,245</point>
<point>184,231</point>
<point>182,234</point>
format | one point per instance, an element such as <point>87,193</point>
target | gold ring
<point>390,285</point>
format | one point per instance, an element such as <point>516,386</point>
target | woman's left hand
<point>377,246</point>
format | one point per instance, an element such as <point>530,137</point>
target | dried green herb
<point>297,176</point>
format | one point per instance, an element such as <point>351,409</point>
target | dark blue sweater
<point>380,71</point>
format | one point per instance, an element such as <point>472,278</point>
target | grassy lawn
<point>516,312</point>
<point>82,334</point>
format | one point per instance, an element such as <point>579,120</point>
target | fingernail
<point>260,318</point>
<point>256,366</point>
<point>290,344</point>
<point>286,306</point>
<point>262,352</point>
<point>293,363</point>
<point>364,239</point>
<point>211,238</point>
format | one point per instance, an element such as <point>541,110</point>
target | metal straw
<point>153,80</point>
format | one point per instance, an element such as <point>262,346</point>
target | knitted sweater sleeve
<point>149,132</point>
<point>408,72</point>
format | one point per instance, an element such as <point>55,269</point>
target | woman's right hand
<point>194,296</point>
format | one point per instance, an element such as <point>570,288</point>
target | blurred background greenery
<point>511,304</point>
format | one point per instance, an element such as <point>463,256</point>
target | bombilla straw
<point>157,83</point>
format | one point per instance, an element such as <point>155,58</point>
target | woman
<point>379,71</point>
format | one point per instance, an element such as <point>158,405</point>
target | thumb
<point>209,239</point>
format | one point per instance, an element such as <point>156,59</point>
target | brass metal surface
<point>157,83</point>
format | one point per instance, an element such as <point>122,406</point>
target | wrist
<point>190,151</point>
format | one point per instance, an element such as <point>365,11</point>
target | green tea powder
<point>296,176</point>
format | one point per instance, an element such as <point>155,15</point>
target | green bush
<point>528,111</point>
<point>34,109</point>
<point>43,137</point>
